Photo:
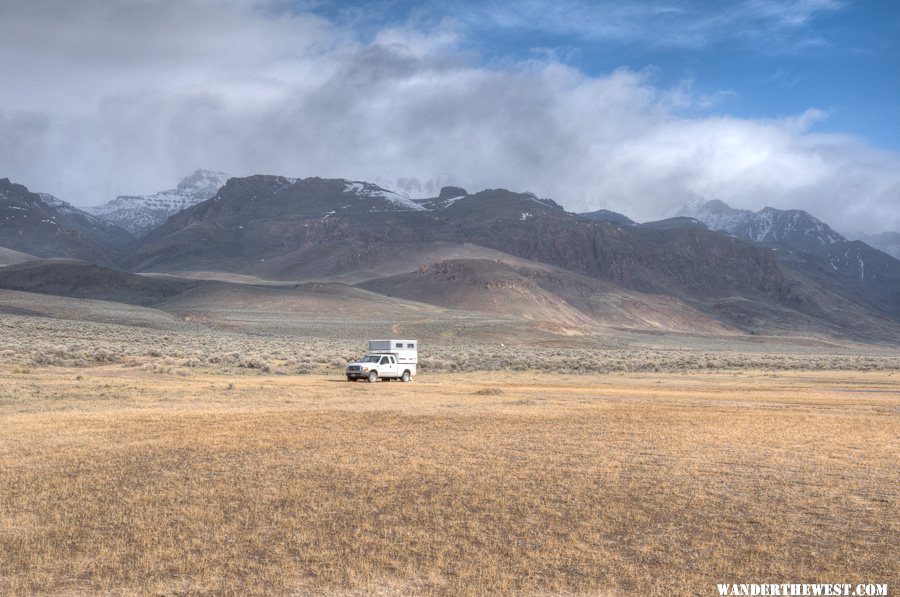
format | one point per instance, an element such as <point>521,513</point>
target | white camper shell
<point>386,359</point>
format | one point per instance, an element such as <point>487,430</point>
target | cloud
<point>248,89</point>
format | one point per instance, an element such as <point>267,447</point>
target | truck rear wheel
<point>373,376</point>
<point>405,377</point>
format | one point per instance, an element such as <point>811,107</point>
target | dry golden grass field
<point>121,480</point>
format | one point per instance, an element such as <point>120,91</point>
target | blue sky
<point>638,107</point>
<point>754,59</point>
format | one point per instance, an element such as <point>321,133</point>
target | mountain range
<point>794,227</point>
<point>712,269</point>
<point>796,235</point>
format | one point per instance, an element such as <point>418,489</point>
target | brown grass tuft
<point>489,392</point>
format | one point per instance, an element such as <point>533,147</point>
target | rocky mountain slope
<point>538,292</point>
<point>605,215</point>
<point>138,214</point>
<point>258,218</point>
<point>45,226</point>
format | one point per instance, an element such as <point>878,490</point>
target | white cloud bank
<point>105,98</point>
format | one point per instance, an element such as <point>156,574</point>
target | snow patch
<point>448,202</point>
<point>370,191</point>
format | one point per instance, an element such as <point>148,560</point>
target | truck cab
<point>386,359</point>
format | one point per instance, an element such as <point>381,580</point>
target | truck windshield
<point>370,358</point>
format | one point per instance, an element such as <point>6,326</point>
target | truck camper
<point>386,359</point>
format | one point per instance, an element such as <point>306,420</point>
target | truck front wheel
<point>406,376</point>
<point>373,376</point>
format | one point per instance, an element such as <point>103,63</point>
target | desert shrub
<point>252,363</point>
<point>435,364</point>
<point>489,392</point>
<point>104,356</point>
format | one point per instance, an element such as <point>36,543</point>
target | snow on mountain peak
<point>369,190</point>
<point>792,227</point>
<point>141,213</point>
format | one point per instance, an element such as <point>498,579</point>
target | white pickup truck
<point>386,359</point>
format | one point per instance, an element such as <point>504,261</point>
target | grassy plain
<point>121,479</point>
